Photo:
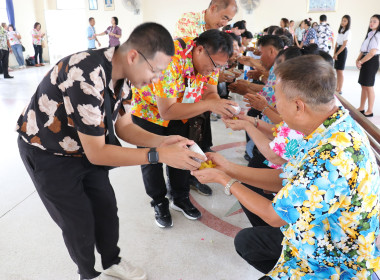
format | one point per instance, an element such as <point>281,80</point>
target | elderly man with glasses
<point>187,88</point>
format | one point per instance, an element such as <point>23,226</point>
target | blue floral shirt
<point>330,201</point>
<point>268,92</point>
<point>310,35</point>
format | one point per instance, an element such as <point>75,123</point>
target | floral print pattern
<point>70,99</point>
<point>190,25</point>
<point>268,92</point>
<point>172,84</point>
<point>330,201</point>
<point>285,143</point>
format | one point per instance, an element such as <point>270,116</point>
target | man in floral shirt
<point>63,143</point>
<point>186,89</point>
<point>5,49</point>
<point>328,207</point>
<point>325,35</point>
<point>216,16</point>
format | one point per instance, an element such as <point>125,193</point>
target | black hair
<point>240,25</point>
<point>327,57</point>
<point>310,49</point>
<point>226,28</point>
<point>150,38</point>
<point>216,41</point>
<point>307,21</point>
<point>323,18</point>
<point>11,25</point>
<point>247,34</point>
<point>272,29</point>
<point>36,24</point>
<point>266,29</point>
<point>344,29</point>
<point>288,40</point>
<point>271,40</point>
<point>236,38</point>
<point>91,18</point>
<point>378,28</point>
<point>116,20</point>
<point>289,53</point>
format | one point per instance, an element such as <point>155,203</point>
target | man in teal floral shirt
<point>328,207</point>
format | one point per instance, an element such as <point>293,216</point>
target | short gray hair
<point>223,4</point>
<point>308,77</point>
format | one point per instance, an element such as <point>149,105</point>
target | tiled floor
<point>31,246</point>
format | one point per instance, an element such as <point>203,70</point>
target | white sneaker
<point>126,271</point>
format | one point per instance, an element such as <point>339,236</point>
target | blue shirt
<point>310,35</point>
<point>268,92</point>
<point>90,33</point>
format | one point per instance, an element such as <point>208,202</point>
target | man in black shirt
<point>67,143</point>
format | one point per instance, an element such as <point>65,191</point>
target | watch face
<point>153,157</point>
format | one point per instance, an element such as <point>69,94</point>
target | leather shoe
<point>368,116</point>
<point>162,214</point>
<point>8,77</point>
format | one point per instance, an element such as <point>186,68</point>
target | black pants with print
<point>260,246</point>
<point>38,53</point>
<point>80,199</point>
<point>153,174</point>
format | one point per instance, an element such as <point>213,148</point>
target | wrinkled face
<point>268,56</point>
<point>206,63</point>
<point>344,22</point>
<point>147,71</point>
<point>220,18</point>
<point>374,23</point>
<point>286,108</point>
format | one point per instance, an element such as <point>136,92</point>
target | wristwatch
<point>228,186</point>
<point>153,156</point>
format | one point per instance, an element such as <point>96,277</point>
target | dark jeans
<point>4,59</point>
<point>38,53</point>
<point>80,199</point>
<point>153,174</point>
<point>260,246</point>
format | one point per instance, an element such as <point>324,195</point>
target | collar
<point>202,21</point>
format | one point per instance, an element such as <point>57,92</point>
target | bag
<point>23,48</point>
<point>43,44</point>
<point>30,61</point>
<point>111,138</point>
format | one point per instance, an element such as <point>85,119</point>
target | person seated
<point>327,203</point>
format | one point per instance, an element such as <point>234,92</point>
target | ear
<point>132,57</point>
<point>213,8</point>
<point>300,106</point>
<point>198,49</point>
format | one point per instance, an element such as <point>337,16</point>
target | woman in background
<point>310,35</point>
<point>37,37</point>
<point>340,51</point>
<point>114,32</point>
<point>368,64</point>
<point>14,40</point>
<point>284,23</point>
<point>315,25</point>
<point>298,35</point>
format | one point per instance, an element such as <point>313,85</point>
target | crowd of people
<point>311,187</point>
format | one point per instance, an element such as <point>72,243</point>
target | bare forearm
<point>138,136</point>
<point>266,179</point>
<point>255,87</point>
<point>368,56</point>
<point>273,115</point>
<point>266,129</point>
<point>257,204</point>
<point>183,111</point>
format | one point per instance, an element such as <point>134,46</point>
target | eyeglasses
<point>147,62</point>
<point>215,65</point>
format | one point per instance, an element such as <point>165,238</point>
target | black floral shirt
<point>70,99</point>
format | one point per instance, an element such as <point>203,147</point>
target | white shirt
<point>371,42</point>
<point>343,37</point>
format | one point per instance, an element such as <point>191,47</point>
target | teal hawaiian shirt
<point>330,201</point>
<point>3,39</point>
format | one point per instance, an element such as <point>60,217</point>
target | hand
<point>10,51</point>
<point>179,156</point>
<point>254,74</point>
<point>335,57</point>
<point>226,76</point>
<point>237,72</point>
<point>174,139</point>
<point>220,161</point>
<point>240,87</point>
<point>211,175</point>
<point>236,125</point>
<point>223,107</point>
<point>245,60</point>
<point>256,101</point>
<point>99,44</point>
<point>358,64</point>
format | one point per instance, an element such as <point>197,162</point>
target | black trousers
<point>260,246</point>
<point>4,61</point>
<point>38,53</point>
<point>153,174</point>
<point>80,199</point>
<point>207,134</point>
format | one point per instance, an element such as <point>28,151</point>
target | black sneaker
<point>162,214</point>
<point>200,188</point>
<point>187,208</point>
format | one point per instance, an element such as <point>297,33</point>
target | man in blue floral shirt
<point>328,207</point>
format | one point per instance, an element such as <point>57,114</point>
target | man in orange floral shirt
<point>186,89</point>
